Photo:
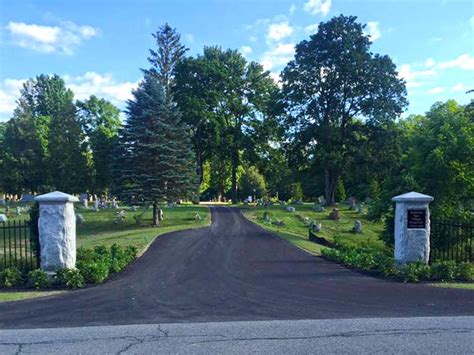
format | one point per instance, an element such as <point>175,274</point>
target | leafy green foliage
<point>71,278</point>
<point>226,102</point>
<point>101,122</point>
<point>370,260</point>
<point>10,277</point>
<point>96,265</point>
<point>38,279</point>
<point>322,113</point>
<point>252,183</point>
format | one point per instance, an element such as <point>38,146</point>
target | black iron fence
<point>17,246</point>
<point>451,240</point>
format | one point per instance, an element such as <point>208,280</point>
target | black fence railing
<point>17,247</point>
<point>451,240</point>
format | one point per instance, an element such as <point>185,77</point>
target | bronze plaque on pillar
<point>416,219</point>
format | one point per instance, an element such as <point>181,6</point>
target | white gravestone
<point>3,218</point>
<point>412,227</point>
<point>57,230</point>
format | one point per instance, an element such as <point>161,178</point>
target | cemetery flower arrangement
<point>383,264</point>
<point>93,267</point>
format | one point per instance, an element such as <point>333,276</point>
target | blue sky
<point>99,46</point>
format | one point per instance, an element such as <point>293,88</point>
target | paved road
<point>233,271</point>
<point>348,336</point>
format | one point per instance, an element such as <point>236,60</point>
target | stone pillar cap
<point>413,197</point>
<point>56,196</point>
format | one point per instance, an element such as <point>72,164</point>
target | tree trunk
<point>156,215</point>
<point>330,186</point>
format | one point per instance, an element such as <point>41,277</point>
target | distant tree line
<point>215,126</point>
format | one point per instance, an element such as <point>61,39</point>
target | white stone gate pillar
<point>57,230</point>
<point>412,227</point>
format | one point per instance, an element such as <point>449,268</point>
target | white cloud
<point>102,85</point>
<point>48,39</point>
<point>9,92</point>
<point>373,30</point>
<point>318,7</point>
<point>91,83</point>
<point>245,50</point>
<point>464,61</point>
<point>413,77</point>
<point>459,87</point>
<point>436,90</point>
<point>278,56</point>
<point>279,31</point>
<point>429,63</point>
<point>311,29</point>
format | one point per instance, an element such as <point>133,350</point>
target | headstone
<point>357,227</point>
<point>57,230</point>
<point>361,209</point>
<point>197,217</point>
<point>96,205</point>
<point>334,215</point>
<point>79,218</point>
<point>316,227</point>
<point>3,202</point>
<point>160,214</point>
<point>3,218</point>
<point>83,197</point>
<point>298,203</point>
<point>279,222</point>
<point>352,204</point>
<point>18,210</point>
<point>412,227</point>
<point>120,216</point>
<point>290,209</point>
<point>266,217</point>
<point>85,203</point>
<point>114,203</point>
<point>27,198</point>
<point>306,220</point>
<point>319,209</point>
<point>322,200</point>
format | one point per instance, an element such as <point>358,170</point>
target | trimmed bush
<point>465,272</point>
<point>444,271</point>
<point>94,272</point>
<point>415,272</point>
<point>72,278</point>
<point>10,277</point>
<point>38,279</point>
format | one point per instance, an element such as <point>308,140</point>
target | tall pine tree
<point>168,53</point>
<point>155,162</point>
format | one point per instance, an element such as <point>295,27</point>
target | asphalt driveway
<point>233,271</point>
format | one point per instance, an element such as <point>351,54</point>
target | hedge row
<point>369,260</point>
<point>92,267</point>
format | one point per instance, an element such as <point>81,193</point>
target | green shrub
<point>94,272</point>
<point>385,265</point>
<point>415,272</point>
<point>10,277</point>
<point>72,278</point>
<point>38,279</point>
<point>465,272</point>
<point>444,271</point>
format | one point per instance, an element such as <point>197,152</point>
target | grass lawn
<point>296,231</point>
<point>100,228</point>
<point>465,286</point>
<point>24,295</point>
